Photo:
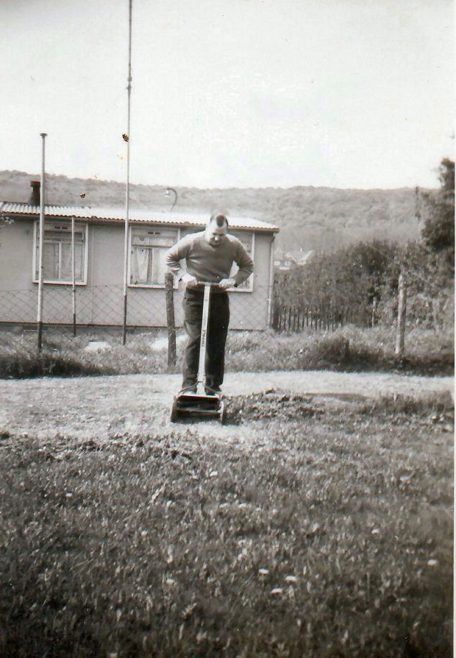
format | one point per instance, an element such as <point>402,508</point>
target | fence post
<point>401,316</point>
<point>170,321</point>
<point>374,312</point>
<point>274,317</point>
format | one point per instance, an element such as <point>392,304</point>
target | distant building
<point>94,255</point>
<point>284,262</point>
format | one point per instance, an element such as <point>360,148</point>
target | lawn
<point>321,528</point>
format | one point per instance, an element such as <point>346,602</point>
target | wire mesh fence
<point>96,311</point>
<point>102,306</point>
<point>78,320</point>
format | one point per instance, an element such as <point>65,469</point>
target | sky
<point>230,93</point>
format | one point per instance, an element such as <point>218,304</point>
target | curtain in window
<point>158,268</point>
<point>66,272</point>
<point>50,261</point>
<point>66,264</point>
<point>79,262</point>
<point>139,265</point>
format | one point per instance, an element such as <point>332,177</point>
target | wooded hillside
<point>316,218</point>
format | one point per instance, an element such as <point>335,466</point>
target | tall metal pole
<point>127,188</point>
<point>73,275</point>
<point>39,318</point>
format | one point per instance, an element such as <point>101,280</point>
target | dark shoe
<point>187,390</point>
<point>213,391</point>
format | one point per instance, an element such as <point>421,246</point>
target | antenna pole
<point>127,187</point>
<point>73,275</point>
<point>39,318</point>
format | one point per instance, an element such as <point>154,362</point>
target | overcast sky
<point>230,93</point>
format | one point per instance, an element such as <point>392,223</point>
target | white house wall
<point>100,302</point>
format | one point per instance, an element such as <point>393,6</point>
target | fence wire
<point>102,307</point>
<point>73,319</point>
<point>98,310</point>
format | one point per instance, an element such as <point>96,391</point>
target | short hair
<point>219,218</point>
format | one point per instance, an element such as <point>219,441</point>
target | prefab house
<point>83,266</point>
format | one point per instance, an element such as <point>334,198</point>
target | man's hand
<point>224,284</point>
<point>189,280</point>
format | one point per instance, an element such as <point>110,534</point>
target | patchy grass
<point>328,534</point>
<point>27,365</point>
<point>66,355</point>
<point>348,349</point>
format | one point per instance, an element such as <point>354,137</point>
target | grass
<point>348,349</point>
<point>327,534</point>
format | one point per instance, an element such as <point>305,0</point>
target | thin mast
<point>127,187</point>
<point>39,318</point>
<point>73,275</point>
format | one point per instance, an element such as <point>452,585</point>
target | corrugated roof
<point>115,215</point>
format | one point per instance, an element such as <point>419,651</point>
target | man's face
<point>215,234</point>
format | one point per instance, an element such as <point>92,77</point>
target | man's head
<point>216,229</point>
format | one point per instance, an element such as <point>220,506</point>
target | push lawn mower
<point>190,404</point>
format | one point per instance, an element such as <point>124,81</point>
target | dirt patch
<point>271,404</point>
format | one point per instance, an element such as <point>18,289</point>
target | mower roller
<point>188,404</point>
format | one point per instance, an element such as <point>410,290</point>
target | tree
<point>351,278</point>
<point>438,230</point>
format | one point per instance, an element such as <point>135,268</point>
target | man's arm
<point>175,255</point>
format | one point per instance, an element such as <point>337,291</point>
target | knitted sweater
<point>207,263</point>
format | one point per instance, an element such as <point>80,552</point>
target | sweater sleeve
<point>245,264</point>
<point>177,253</point>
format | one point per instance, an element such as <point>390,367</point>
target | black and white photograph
<point>227,328</point>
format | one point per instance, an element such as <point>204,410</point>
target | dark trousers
<point>219,317</point>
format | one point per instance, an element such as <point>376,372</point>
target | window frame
<point>54,224</point>
<point>159,286</point>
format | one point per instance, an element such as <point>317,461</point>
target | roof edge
<point>112,215</point>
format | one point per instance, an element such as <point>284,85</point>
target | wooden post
<point>401,316</point>
<point>169,283</point>
<point>374,312</point>
<point>274,316</point>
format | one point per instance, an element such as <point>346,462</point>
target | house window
<point>148,255</point>
<point>58,252</point>
<point>248,242</point>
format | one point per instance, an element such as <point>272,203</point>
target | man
<point>209,256</point>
